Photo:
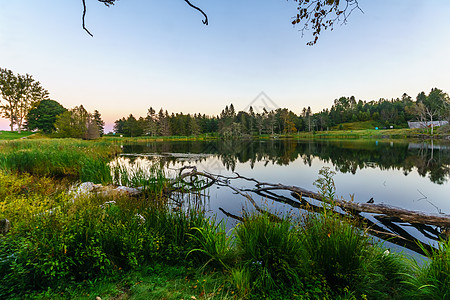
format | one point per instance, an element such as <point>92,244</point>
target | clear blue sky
<point>158,53</point>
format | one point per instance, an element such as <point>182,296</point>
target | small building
<point>427,124</point>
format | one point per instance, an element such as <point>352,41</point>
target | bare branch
<point>84,15</point>
<point>205,21</point>
<point>112,2</point>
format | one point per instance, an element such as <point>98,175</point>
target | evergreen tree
<point>97,118</point>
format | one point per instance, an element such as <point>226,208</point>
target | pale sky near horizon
<point>159,54</point>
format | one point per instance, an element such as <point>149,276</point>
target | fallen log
<point>409,216</point>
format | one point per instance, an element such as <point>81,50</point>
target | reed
<point>432,280</point>
<point>84,160</point>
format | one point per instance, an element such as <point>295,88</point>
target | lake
<point>414,175</point>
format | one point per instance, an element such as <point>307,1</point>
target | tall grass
<point>271,252</point>
<point>140,173</point>
<point>84,160</point>
<point>432,281</point>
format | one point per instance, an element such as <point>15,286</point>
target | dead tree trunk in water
<point>384,215</point>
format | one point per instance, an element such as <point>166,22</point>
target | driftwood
<point>385,216</point>
<point>265,188</point>
<point>383,221</point>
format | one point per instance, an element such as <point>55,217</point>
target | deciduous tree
<point>43,116</point>
<point>19,93</point>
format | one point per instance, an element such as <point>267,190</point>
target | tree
<point>73,123</point>
<point>131,127</point>
<point>30,92</point>
<point>97,118</point>
<point>118,125</point>
<point>8,82</point>
<point>150,126</point>
<point>435,104</point>
<point>20,93</point>
<point>43,116</point>
<point>92,130</point>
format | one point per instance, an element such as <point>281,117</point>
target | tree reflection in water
<point>429,158</point>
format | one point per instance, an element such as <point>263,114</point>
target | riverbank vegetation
<point>73,245</point>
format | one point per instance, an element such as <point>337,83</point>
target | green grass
<point>432,281</point>
<point>124,139</point>
<point>8,135</point>
<point>156,282</point>
<point>139,248</point>
<point>83,160</point>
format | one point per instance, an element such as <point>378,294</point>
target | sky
<point>159,54</point>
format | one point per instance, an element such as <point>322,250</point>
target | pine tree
<point>99,122</point>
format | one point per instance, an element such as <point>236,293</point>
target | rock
<point>87,188</point>
<point>5,226</point>
<point>128,190</point>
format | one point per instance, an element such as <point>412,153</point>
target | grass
<point>134,247</point>
<point>8,135</point>
<point>83,160</point>
<point>432,281</point>
<point>85,248</point>
<point>123,139</point>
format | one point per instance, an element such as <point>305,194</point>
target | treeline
<point>384,113</point>
<point>27,106</point>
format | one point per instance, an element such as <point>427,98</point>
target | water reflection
<point>412,175</point>
<point>428,158</point>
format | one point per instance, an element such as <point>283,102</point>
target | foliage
<point>59,243</point>
<point>90,238</point>
<point>79,123</point>
<point>97,118</point>
<point>43,116</point>
<point>321,15</point>
<point>19,93</point>
<point>214,243</point>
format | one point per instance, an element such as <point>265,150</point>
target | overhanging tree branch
<point>205,21</point>
<point>319,15</point>
<point>112,2</point>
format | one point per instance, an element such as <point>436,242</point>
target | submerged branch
<point>386,216</point>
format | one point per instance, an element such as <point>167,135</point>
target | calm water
<point>413,175</point>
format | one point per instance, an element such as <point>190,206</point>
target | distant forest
<point>382,113</point>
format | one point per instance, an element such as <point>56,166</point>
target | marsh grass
<point>84,160</point>
<point>152,179</point>
<point>432,281</point>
